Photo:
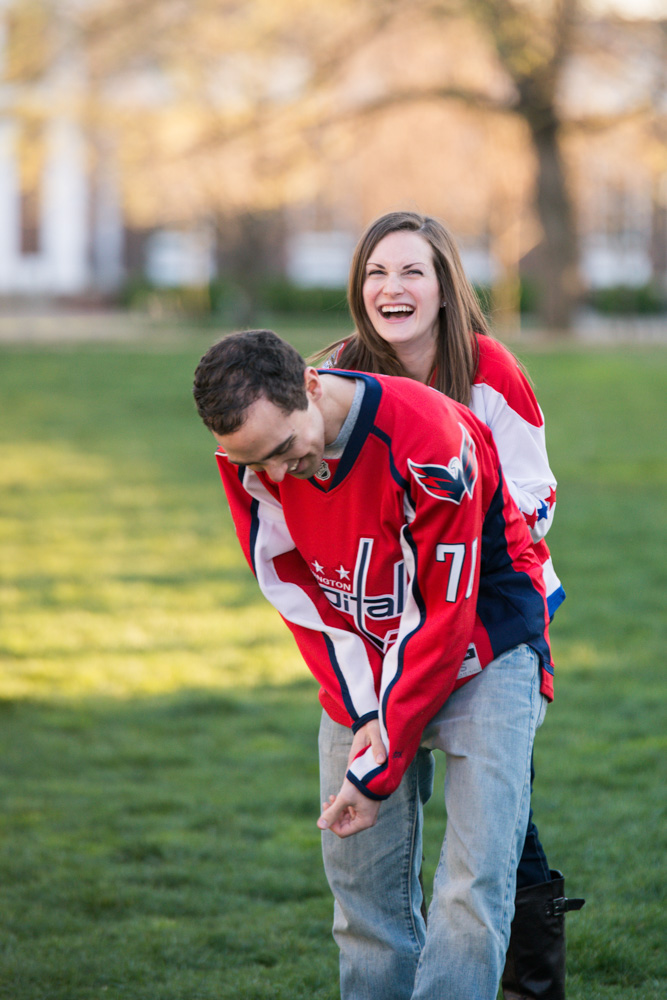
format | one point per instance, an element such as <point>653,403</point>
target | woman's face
<point>401,293</point>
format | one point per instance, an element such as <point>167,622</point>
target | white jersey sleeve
<point>504,400</point>
<point>337,655</point>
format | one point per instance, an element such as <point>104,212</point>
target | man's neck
<point>335,403</point>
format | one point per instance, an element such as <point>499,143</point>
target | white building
<point>62,231</point>
<point>61,227</point>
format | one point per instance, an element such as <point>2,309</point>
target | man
<point>373,513</point>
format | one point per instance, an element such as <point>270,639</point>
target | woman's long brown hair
<point>460,320</point>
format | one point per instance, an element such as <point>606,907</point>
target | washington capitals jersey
<point>404,573</point>
<point>503,399</point>
<point>501,396</point>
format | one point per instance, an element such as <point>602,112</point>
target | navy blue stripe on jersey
<point>421,607</point>
<point>318,486</point>
<point>360,572</point>
<point>399,577</point>
<point>363,424</point>
<point>361,785</point>
<point>344,690</point>
<point>509,607</point>
<point>254,523</point>
<point>396,476</point>
<point>363,719</point>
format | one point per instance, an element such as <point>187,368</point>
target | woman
<point>416,315</point>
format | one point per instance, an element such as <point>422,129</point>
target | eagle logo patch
<point>453,481</point>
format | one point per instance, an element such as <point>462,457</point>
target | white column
<point>9,208</point>
<point>108,232</point>
<point>65,217</point>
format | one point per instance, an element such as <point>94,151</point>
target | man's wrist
<point>359,785</point>
<point>360,723</point>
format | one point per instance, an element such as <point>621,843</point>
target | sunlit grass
<point>158,727</point>
<point>112,582</point>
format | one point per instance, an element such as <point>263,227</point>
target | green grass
<point>158,730</point>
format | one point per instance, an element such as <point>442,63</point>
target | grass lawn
<point>158,729</point>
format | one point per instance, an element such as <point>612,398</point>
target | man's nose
<point>276,470</point>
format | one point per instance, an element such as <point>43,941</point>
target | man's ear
<point>313,383</point>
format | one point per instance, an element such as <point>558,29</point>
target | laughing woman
<point>416,315</point>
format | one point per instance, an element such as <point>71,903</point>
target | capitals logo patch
<point>453,481</point>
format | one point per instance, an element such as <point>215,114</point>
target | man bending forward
<point>374,515</point>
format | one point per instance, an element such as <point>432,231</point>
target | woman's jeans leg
<point>533,869</point>
<point>374,876</point>
<point>486,728</point>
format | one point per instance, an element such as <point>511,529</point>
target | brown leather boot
<point>535,963</point>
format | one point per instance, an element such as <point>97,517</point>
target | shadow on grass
<point>159,834</point>
<point>166,845</point>
<point>163,845</point>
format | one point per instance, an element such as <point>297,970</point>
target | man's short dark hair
<point>240,369</point>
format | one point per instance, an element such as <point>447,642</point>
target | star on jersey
<point>530,519</point>
<point>349,594</point>
<point>452,481</point>
<point>543,509</point>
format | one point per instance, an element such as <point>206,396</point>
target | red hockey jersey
<point>404,573</point>
<point>502,398</point>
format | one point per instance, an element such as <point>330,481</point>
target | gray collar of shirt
<point>337,447</point>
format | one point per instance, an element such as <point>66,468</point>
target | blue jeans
<point>534,869</point>
<point>486,729</point>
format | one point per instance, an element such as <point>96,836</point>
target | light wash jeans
<point>486,729</point>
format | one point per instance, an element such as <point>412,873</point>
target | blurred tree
<point>235,107</point>
<point>517,56</point>
<point>29,39</point>
<point>532,41</point>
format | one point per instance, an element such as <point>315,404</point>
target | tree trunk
<point>558,256</point>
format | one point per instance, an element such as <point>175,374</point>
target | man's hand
<point>348,812</point>
<point>368,735</point>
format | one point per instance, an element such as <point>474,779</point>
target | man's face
<point>276,442</point>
